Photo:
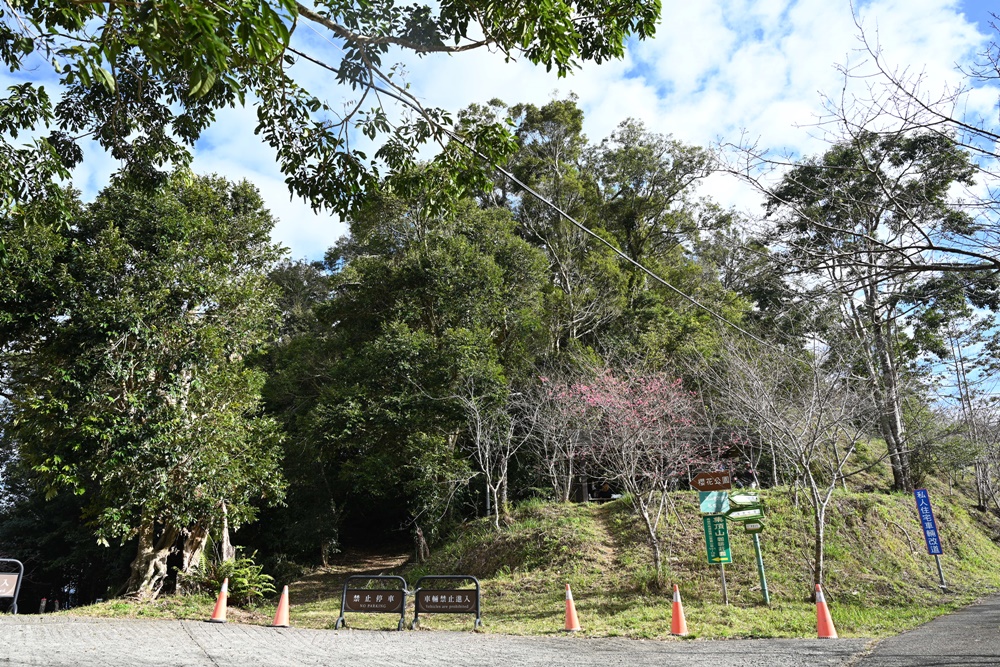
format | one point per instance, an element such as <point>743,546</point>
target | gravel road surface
<point>81,642</point>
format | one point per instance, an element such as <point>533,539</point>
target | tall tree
<point>847,220</point>
<point>131,386</point>
<point>424,304</point>
<point>589,285</point>
<point>635,190</point>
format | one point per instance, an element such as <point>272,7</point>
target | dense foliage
<point>126,374</point>
<point>167,378</point>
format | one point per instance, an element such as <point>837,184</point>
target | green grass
<point>172,606</point>
<point>879,581</point>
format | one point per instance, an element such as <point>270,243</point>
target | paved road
<point>35,640</point>
<point>970,636</point>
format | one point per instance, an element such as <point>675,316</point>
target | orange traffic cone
<point>219,615</point>
<point>824,624</point>
<point>678,625</point>
<point>281,616</point>
<point>572,622</point>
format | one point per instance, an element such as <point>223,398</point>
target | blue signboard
<point>931,535</point>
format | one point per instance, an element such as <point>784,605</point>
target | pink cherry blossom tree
<point>645,434</point>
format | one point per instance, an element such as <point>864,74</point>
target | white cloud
<point>715,68</point>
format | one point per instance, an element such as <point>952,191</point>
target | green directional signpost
<point>746,509</point>
<point>714,500</point>
<point>719,506</point>
<point>717,539</point>
<point>745,513</point>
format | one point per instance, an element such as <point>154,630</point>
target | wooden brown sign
<point>374,601</point>
<point>712,481</point>
<point>447,602</point>
<point>8,585</point>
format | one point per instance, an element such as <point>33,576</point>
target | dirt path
<point>326,583</point>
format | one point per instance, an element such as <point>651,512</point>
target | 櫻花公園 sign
<point>931,535</point>
<point>717,539</point>
<point>712,481</point>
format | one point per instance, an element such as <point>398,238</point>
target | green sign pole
<point>760,569</point>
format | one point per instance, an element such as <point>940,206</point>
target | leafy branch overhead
<point>146,79</point>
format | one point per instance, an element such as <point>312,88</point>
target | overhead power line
<point>576,223</point>
<point>407,98</point>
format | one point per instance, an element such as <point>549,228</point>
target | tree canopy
<point>145,80</point>
<point>126,372</point>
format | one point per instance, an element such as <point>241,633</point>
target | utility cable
<point>416,106</point>
<point>579,225</point>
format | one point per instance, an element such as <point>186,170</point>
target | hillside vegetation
<point>880,580</point>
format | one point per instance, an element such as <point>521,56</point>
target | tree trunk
<point>654,544</point>
<point>423,551</point>
<point>819,519</point>
<point>494,492</point>
<point>149,569</point>
<point>980,484</point>
<point>194,544</point>
<point>504,504</point>
<point>890,412</point>
<point>569,479</point>
<point>228,550</point>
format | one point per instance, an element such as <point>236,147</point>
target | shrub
<point>247,582</point>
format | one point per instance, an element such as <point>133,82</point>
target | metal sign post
<point>931,535</point>
<point>449,601</point>
<point>748,511</point>
<point>760,569</point>
<point>10,582</point>
<point>717,547</point>
<point>371,601</point>
<point>714,502</point>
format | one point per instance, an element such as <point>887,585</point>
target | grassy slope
<point>880,579</point>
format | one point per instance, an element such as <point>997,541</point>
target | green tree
<point>644,192</point>
<point>849,220</point>
<point>588,284</point>
<point>146,79</point>
<point>423,304</point>
<point>128,378</point>
<point>636,190</point>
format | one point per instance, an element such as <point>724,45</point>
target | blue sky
<point>716,69</point>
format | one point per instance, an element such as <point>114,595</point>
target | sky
<point>716,70</point>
